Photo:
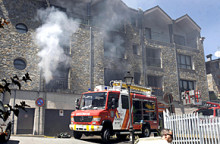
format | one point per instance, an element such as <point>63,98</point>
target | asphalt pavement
<point>30,139</point>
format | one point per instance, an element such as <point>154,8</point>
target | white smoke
<point>54,33</point>
<point>217,54</point>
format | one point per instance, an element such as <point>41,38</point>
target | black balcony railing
<point>157,91</point>
<point>56,84</point>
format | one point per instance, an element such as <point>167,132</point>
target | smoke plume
<point>217,54</point>
<point>51,37</point>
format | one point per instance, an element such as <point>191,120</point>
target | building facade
<point>110,39</point>
<point>213,77</point>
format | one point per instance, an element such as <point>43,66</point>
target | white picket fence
<point>193,129</point>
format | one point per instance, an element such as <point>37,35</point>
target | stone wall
<point>87,65</point>
<point>213,76</point>
<point>16,45</point>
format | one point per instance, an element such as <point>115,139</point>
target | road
<point>52,140</point>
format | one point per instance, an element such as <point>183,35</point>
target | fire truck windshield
<point>93,101</point>
<point>205,112</point>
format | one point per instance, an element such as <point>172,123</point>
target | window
<point>66,50</point>
<point>154,81</point>
<point>93,101</point>
<point>149,110</point>
<point>112,74</point>
<point>186,85</point>
<point>137,78</point>
<point>180,40</point>
<point>148,105</point>
<point>153,57</point>
<point>88,9</point>
<point>114,45</point>
<point>208,67</point>
<point>21,28</point>
<point>124,101</point>
<point>137,111</point>
<point>60,79</point>
<point>217,65</point>
<point>19,64</point>
<point>184,61</point>
<point>110,100</point>
<point>135,49</point>
<point>59,8</point>
<point>133,22</point>
<point>147,32</point>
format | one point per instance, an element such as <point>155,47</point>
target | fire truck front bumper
<point>86,128</point>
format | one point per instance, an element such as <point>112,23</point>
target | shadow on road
<point>96,140</point>
<point>10,142</point>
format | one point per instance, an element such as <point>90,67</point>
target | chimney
<point>209,57</point>
<point>202,39</point>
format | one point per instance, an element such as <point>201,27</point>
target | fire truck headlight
<point>72,119</point>
<point>96,118</point>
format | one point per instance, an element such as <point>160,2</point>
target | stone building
<point>213,78</point>
<point>109,39</point>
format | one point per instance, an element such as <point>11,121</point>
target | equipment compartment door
<point>123,113</point>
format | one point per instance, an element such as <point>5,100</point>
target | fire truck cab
<point>209,109</point>
<point>206,108</point>
<point>105,112</point>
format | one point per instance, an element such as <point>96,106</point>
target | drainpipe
<point>89,12</point>
<point>13,116</point>
<point>141,34</point>
<point>90,64</point>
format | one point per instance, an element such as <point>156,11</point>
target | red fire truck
<point>206,108</point>
<point>209,109</point>
<point>105,112</point>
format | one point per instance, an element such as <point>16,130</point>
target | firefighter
<point>167,136</point>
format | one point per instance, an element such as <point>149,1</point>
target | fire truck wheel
<point>146,131</point>
<point>6,137</point>
<point>77,135</point>
<point>106,135</point>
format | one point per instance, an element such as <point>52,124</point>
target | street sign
<point>40,102</point>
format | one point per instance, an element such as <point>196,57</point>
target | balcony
<point>56,84</point>
<point>187,48</point>
<point>156,42</point>
<point>157,91</point>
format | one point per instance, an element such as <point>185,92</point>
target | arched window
<point>19,64</point>
<point>21,28</point>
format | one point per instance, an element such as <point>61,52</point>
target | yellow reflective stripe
<point>87,127</point>
<point>92,127</point>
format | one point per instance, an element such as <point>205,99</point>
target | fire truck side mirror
<point>77,103</point>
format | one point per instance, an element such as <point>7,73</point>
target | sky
<point>206,13</point>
